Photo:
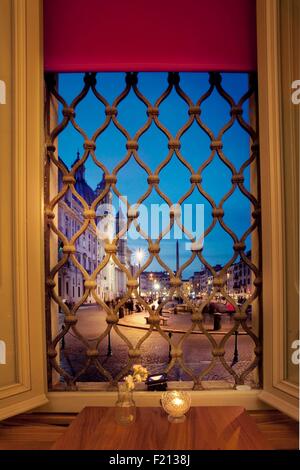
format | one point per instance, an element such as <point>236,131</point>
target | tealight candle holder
<point>176,404</point>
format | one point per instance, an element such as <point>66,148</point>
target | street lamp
<point>156,286</point>
<point>139,255</point>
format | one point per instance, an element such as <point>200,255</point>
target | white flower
<point>140,374</point>
<point>129,382</point>
<point>140,370</point>
<point>143,373</point>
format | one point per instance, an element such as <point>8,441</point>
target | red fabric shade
<point>150,35</point>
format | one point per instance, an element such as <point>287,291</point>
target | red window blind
<point>149,35</point>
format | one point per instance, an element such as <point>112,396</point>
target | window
<point>22,376</point>
<point>168,142</point>
<point>27,88</point>
<point>278,63</point>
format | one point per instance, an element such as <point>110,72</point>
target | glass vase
<point>125,408</point>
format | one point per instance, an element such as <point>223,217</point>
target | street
<point>155,349</point>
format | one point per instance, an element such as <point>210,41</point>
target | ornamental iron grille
<point>72,215</point>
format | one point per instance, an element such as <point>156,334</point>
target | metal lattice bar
<point>89,215</point>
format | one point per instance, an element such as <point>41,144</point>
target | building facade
<point>154,283</point>
<point>111,281</point>
<point>238,280</point>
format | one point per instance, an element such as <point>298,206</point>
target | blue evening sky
<point>153,148</point>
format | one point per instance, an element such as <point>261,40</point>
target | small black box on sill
<point>157,382</point>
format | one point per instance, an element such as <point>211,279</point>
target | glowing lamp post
<point>139,255</point>
<point>156,286</point>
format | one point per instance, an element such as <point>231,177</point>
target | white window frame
<point>28,259</point>
<point>21,50</point>
<point>277,391</point>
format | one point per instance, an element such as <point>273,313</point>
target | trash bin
<point>217,321</point>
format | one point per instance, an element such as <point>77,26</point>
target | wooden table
<point>213,427</point>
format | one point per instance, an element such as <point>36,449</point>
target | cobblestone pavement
<point>155,350</point>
